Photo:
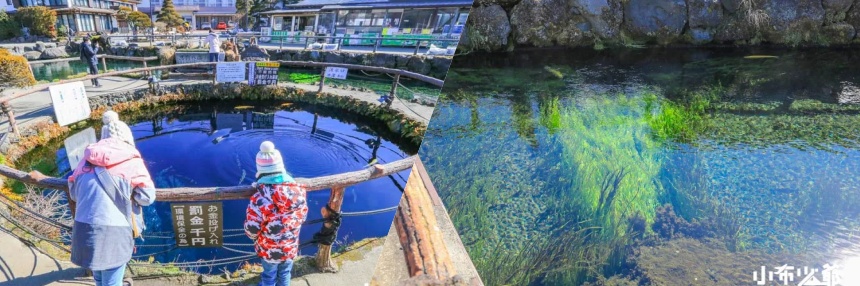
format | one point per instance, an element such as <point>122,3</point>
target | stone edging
<point>38,133</point>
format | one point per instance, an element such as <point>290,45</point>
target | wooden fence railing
<point>337,183</point>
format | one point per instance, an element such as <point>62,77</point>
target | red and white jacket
<point>274,217</point>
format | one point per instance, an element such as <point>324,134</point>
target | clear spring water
<point>65,70</point>
<point>214,145</point>
<point>768,175</point>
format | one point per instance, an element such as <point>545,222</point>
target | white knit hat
<point>269,160</point>
<point>115,128</point>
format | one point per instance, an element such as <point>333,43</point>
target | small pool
<point>651,166</point>
<point>215,145</point>
<point>75,68</point>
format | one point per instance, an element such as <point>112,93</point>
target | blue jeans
<point>109,277</point>
<point>276,274</point>
<point>213,57</point>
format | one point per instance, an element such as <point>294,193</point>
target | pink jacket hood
<point>119,158</point>
<point>109,152</point>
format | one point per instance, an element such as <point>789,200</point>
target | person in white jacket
<point>214,46</point>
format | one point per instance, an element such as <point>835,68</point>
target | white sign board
<point>337,73</point>
<point>230,72</point>
<point>76,144</point>
<point>70,102</point>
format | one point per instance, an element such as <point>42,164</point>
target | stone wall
<point>496,25</point>
<point>408,128</point>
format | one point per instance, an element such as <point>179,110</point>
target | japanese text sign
<point>70,102</point>
<point>198,224</point>
<point>263,73</point>
<point>230,71</point>
<point>336,73</point>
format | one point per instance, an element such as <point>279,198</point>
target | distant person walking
<point>110,186</point>
<point>275,215</point>
<point>214,46</point>
<point>88,55</point>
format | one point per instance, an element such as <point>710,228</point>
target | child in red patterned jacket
<point>275,216</point>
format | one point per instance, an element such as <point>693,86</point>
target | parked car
<point>205,26</point>
<point>221,26</point>
<point>231,24</point>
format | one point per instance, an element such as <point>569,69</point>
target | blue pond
<point>215,146</point>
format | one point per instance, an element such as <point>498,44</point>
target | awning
<point>86,10</point>
<point>294,11</point>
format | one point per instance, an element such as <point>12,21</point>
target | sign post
<point>198,224</point>
<point>230,72</point>
<point>76,144</point>
<point>336,72</point>
<point>70,102</point>
<point>263,73</point>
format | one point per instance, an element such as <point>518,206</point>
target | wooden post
<point>417,46</point>
<point>144,66</point>
<point>104,64</point>
<point>9,112</point>
<point>322,80</point>
<point>335,201</point>
<point>393,92</point>
<point>375,45</point>
<point>215,74</point>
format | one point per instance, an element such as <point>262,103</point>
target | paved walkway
<point>23,265</point>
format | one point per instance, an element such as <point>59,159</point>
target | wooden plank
<point>424,248</point>
<point>428,184</point>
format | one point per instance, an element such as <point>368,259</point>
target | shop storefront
<point>399,23</point>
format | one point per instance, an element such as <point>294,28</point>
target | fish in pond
<point>753,57</point>
<point>554,72</point>
<point>784,191</point>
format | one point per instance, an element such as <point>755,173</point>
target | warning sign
<point>263,73</point>
<point>198,224</point>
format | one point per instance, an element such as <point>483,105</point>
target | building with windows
<point>391,19</point>
<point>6,5</point>
<point>83,16</point>
<point>199,13</point>
<point>199,17</point>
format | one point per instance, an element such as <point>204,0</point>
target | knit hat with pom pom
<point>269,161</point>
<point>115,128</point>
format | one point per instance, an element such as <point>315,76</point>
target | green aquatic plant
<point>550,114</point>
<point>682,119</point>
<point>613,160</point>
<point>812,105</point>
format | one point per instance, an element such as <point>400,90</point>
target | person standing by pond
<point>88,55</point>
<point>110,186</point>
<point>275,215</point>
<point>214,46</point>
